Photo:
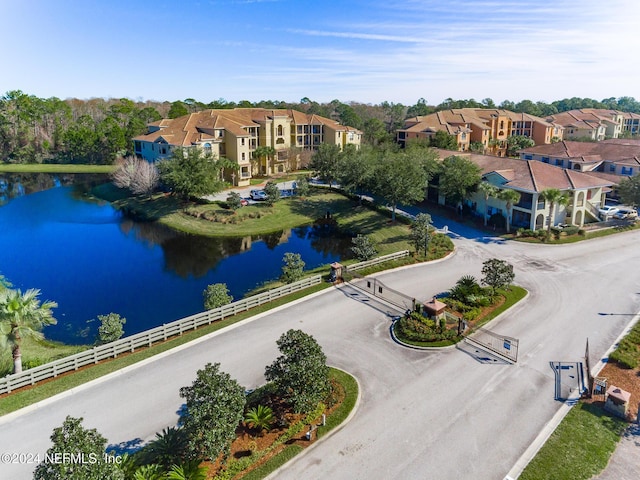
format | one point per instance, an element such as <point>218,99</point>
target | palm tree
<point>190,470</point>
<point>22,316</point>
<point>259,418</point>
<point>168,448</point>
<point>487,190</point>
<point>510,197</point>
<point>553,197</point>
<point>264,152</point>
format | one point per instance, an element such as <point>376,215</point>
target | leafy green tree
<point>497,273</point>
<point>459,178</point>
<point>302,187</point>
<point>553,197</point>
<point>476,147</point>
<point>111,327</point>
<point>178,109</point>
<point>355,170</point>
<point>325,162</point>
<point>293,268</point>
<point>149,472</point>
<point>516,143</point>
<point>216,295</point>
<point>487,190</point>
<point>510,197</point>
<point>273,194</point>
<point>419,109</point>
<point>214,406</point>
<point>260,418</point>
<point>22,316</point>
<point>73,439</point>
<point>444,141</point>
<point>234,200</point>
<point>363,247</point>
<point>420,232</point>
<point>190,172</point>
<point>300,374</point>
<point>629,190</point>
<point>374,132</point>
<point>399,179</point>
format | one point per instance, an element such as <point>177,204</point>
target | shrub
<point>571,230</point>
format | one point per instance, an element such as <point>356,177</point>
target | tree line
<point>98,131</point>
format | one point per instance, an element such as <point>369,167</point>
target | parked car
<point>258,195</point>
<point>244,202</point>
<point>626,213</point>
<point>607,210</point>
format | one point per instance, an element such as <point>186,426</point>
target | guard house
<point>617,401</point>
<point>434,309</point>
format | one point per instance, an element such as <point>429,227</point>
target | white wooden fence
<point>148,337</point>
<point>376,261</point>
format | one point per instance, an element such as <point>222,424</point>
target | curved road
<point>449,414</point>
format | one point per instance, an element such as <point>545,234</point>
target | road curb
<point>42,403</point>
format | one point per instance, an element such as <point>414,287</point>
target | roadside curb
<point>42,403</point>
<point>551,426</point>
<point>329,434</point>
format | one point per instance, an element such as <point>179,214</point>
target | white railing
<point>148,337</point>
<point>376,261</point>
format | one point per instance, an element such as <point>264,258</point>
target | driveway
<point>438,415</point>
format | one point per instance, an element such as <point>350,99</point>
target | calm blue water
<point>91,261</point>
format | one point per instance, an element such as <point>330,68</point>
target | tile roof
<point>532,175</point>
<point>605,150</point>
<point>200,126</point>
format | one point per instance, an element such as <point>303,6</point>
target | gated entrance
<point>569,378</point>
<point>375,287</point>
<point>502,345</point>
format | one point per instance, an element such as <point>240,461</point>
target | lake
<point>87,257</point>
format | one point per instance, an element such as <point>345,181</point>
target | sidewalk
<point>625,461</point>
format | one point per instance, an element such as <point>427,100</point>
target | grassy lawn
<point>579,448</point>
<point>261,219</point>
<point>38,353</point>
<point>577,238</point>
<point>54,168</point>
<point>25,397</point>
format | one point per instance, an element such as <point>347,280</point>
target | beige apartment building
<point>238,133</point>
<point>596,123</point>
<point>490,127</point>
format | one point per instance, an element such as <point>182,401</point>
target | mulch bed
<point>248,440</point>
<point>625,378</point>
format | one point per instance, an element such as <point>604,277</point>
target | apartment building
<point>238,133</point>
<point>489,127</point>
<point>620,157</point>
<point>596,123</point>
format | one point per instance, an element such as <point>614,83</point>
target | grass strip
<point>54,168</point>
<point>24,397</point>
<point>273,463</point>
<point>579,448</point>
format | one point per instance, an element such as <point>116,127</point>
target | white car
<point>607,210</point>
<point>258,195</point>
<point>626,213</point>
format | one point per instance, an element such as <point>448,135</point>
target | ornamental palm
<point>22,316</point>
<point>487,190</point>
<point>554,197</point>
<point>510,197</point>
<point>259,418</point>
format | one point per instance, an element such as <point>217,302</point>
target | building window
<point>545,159</point>
<point>528,157</point>
<point>612,168</point>
<point>244,155</point>
<point>242,142</point>
<point>280,130</point>
<point>207,148</point>
<point>559,162</point>
<point>541,204</point>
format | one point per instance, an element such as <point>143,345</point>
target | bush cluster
<point>628,352</point>
<point>418,328</point>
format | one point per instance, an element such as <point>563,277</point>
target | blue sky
<point>363,51</point>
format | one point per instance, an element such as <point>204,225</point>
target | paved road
<point>440,415</point>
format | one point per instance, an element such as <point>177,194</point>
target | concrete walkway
<point>625,461</point>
